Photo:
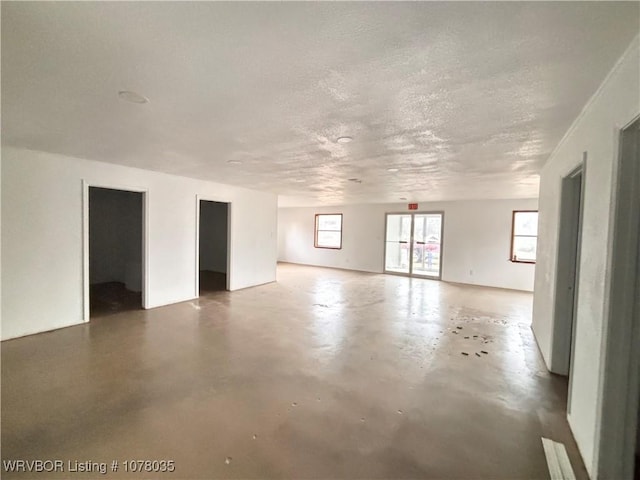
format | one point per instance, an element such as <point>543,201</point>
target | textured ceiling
<point>467,100</point>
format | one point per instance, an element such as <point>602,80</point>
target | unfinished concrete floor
<point>212,282</point>
<point>325,374</point>
<point>112,297</point>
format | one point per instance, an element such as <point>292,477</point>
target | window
<point>524,236</point>
<point>328,231</point>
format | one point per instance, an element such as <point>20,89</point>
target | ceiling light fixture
<point>132,97</point>
<point>403,198</point>
<point>393,170</point>
<point>234,162</point>
<point>354,180</point>
<point>344,139</point>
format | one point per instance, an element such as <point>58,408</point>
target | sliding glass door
<point>427,241</point>
<point>398,241</point>
<point>413,244</point>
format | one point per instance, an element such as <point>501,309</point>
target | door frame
<point>568,270</point>
<point>411,244</point>
<point>619,376</point>
<point>209,198</point>
<point>86,185</point>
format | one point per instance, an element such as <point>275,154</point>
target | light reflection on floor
<point>373,363</point>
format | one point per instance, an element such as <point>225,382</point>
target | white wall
<point>476,240</point>
<point>596,131</point>
<point>213,236</point>
<point>42,236</point>
<point>115,237</point>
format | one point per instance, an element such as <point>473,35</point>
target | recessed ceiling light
<point>132,97</point>
<point>354,180</point>
<point>392,169</point>
<point>298,180</point>
<point>234,162</point>
<point>344,139</point>
<point>403,198</point>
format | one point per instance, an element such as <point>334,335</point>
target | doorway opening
<point>567,271</point>
<point>116,251</point>
<point>631,148</point>
<point>619,436</point>
<point>213,246</point>
<point>413,244</point>
<point>636,335</point>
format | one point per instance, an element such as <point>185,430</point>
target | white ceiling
<point>467,100</point>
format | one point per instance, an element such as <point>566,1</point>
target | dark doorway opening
<point>567,278</point>
<point>637,453</point>
<point>213,262</point>
<point>636,327</point>
<point>619,437</point>
<point>115,251</point>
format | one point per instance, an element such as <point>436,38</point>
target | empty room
<point>324,240</point>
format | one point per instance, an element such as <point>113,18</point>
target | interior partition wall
<point>413,244</point>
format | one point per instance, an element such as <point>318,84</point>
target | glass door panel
<point>398,243</point>
<point>427,243</point>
